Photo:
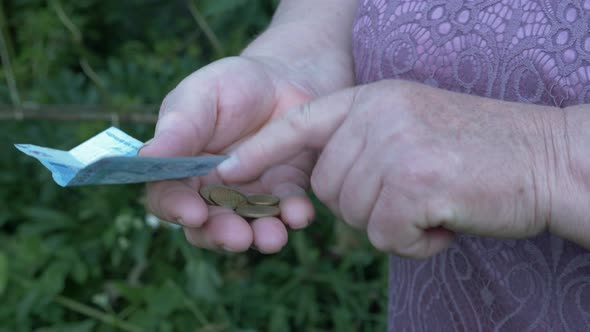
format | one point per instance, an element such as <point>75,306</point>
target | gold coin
<point>205,192</point>
<point>226,197</point>
<point>257,211</point>
<point>263,199</point>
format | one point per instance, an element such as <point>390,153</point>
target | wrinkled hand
<point>412,164</point>
<point>211,111</point>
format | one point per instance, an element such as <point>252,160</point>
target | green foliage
<point>87,259</point>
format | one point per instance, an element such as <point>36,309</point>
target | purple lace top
<point>530,51</point>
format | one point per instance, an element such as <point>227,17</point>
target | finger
<point>339,156</point>
<point>419,243</point>
<point>360,189</point>
<point>397,225</point>
<point>309,125</point>
<point>176,201</point>
<point>289,182</point>
<point>211,109</point>
<point>178,134</point>
<point>186,123</point>
<point>224,230</point>
<point>297,210</point>
<point>270,235</point>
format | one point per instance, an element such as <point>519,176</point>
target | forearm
<point>314,37</point>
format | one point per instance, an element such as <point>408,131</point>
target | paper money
<point>111,158</point>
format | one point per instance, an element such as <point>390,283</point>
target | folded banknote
<point>110,157</point>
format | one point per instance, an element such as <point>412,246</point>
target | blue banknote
<point>110,157</point>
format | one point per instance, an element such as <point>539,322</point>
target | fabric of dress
<point>517,50</point>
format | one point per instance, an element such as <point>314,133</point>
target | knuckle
<point>352,207</point>
<point>299,118</point>
<point>398,98</point>
<point>153,193</point>
<point>378,238</point>
<point>418,170</point>
<point>382,241</point>
<point>169,101</point>
<point>324,195</point>
<point>378,225</point>
<point>439,211</point>
<point>372,104</point>
<point>319,188</point>
<point>254,147</point>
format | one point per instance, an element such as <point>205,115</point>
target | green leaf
<point>51,282</point>
<point>278,320</point>
<point>130,293</point>
<point>203,280</point>
<point>45,220</point>
<point>342,319</point>
<point>306,253</point>
<point>165,299</point>
<point>145,319</point>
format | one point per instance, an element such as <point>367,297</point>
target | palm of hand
<point>213,111</point>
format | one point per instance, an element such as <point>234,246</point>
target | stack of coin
<point>245,205</point>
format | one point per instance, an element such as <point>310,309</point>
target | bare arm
<point>313,37</point>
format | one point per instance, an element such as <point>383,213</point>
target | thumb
<point>186,122</point>
<point>307,126</point>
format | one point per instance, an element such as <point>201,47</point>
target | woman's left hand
<point>413,164</point>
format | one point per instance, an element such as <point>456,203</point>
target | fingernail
<point>148,142</point>
<point>228,249</point>
<point>229,165</point>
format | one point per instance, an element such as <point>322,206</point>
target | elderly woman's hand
<point>413,164</point>
<point>210,112</point>
<point>304,53</point>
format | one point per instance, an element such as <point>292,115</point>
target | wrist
<point>564,182</point>
<point>325,62</point>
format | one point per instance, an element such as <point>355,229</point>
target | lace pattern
<point>535,51</point>
<point>518,50</point>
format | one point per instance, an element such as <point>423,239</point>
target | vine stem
<point>5,57</point>
<point>202,23</point>
<point>83,309</point>
<point>77,113</point>
<point>78,40</point>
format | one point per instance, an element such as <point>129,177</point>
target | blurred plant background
<point>92,258</point>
